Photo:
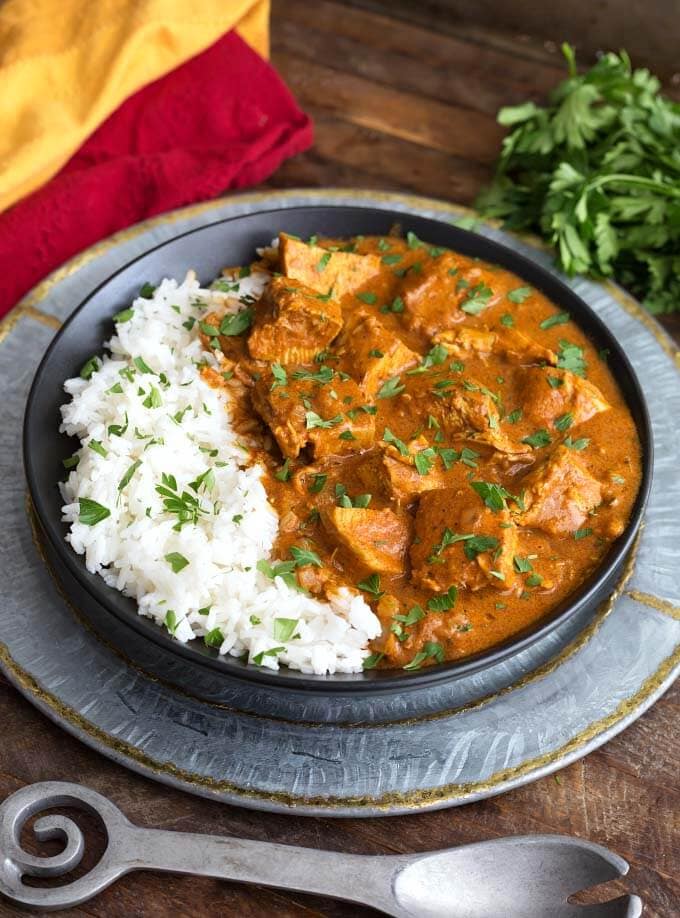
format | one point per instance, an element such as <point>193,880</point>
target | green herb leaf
<point>284,628</point>
<point>579,444</point>
<point>390,388</point>
<point>176,561</point>
<point>371,585</point>
<point>304,557</point>
<point>367,297</point>
<point>560,319</point>
<point>564,421</point>
<point>127,477</point>
<point>236,323</point>
<point>90,367</point>
<point>313,420</point>
<point>90,512</point>
<point>478,544</point>
<point>214,638</point>
<point>284,473</point>
<point>372,661</point>
<point>123,316</point>
<point>582,533</point>
<point>570,357</point>
<point>322,262</point>
<point>317,483</point>
<point>444,601</point>
<point>389,437</point>
<point>519,294</point>
<point>538,439</point>
<point>493,495</point>
<point>477,299</point>
<point>147,291</point>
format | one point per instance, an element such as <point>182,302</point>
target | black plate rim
<point>373,681</point>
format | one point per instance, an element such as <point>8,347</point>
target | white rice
<point>220,592</point>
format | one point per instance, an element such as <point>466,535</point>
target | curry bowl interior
<point>231,242</point>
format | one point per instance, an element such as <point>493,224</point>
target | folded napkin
<point>222,120</point>
<point>66,65</point>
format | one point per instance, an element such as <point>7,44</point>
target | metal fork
<point>527,876</point>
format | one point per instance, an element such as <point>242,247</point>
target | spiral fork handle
<point>16,863</point>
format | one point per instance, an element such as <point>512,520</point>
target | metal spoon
<point>527,876</point>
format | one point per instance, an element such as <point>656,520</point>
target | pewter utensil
<point>527,876</point>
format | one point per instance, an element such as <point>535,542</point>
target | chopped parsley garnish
<point>413,615</point>
<point>312,420</point>
<point>284,628</point>
<point>560,319</point>
<point>519,294</point>
<point>372,661</point>
<point>272,652</point>
<point>564,421</point>
<point>444,601</point>
<point>538,439</point>
<point>570,357</point>
<point>147,291</point>
<point>430,650</point>
<point>153,399</point>
<point>477,299</point>
<point>579,444</point>
<point>142,366</point>
<point>424,460</point>
<point>448,538</point>
<point>210,330</point>
<point>507,320</point>
<point>389,437</point>
<point>123,316</point>
<point>304,557</point>
<point>323,375</point>
<point>284,473</point>
<point>317,483</point>
<point>170,621</point>
<point>368,298</point>
<point>391,259</point>
<point>493,495</point>
<point>515,416</point>
<point>90,512</point>
<point>236,323</point>
<point>280,376</point>
<point>127,477</point>
<point>322,262</point>
<point>184,506</point>
<point>555,382</point>
<point>448,456</point>
<point>397,305</point>
<point>582,533</point>
<point>478,544</point>
<point>374,352</point>
<point>371,585</point>
<point>362,500</point>
<point>522,565</point>
<point>72,462</point>
<point>96,447</point>
<point>390,388</point>
<point>434,357</point>
<point>214,638</point>
<point>534,580</point>
<point>468,456</point>
<point>90,367</point>
<point>346,435</point>
<point>176,561</point>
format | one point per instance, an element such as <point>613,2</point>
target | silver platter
<point>485,733</point>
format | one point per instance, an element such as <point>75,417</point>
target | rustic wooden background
<point>398,103</point>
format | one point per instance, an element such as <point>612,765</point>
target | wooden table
<point>396,106</point>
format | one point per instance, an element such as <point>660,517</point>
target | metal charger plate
<point>481,735</point>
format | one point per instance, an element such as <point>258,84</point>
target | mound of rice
<point>147,420</point>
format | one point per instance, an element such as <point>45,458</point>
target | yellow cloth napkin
<point>66,65</point>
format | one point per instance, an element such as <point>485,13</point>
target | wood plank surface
<point>398,105</point>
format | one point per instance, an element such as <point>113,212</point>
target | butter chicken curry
<point>436,434</point>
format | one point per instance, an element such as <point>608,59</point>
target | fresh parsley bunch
<point>597,173</point>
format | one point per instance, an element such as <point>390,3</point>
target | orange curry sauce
<point>435,433</point>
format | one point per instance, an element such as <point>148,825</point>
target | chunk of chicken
<point>302,411</point>
<point>472,411</point>
<point>460,542</point>
<point>377,538</point>
<point>431,295</point>
<point>325,271</point>
<point>559,493</point>
<point>293,323</point>
<point>464,342</point>
<point>549,393</point>
<point>373,353</point>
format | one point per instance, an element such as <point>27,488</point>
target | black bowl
<point>233,241</point>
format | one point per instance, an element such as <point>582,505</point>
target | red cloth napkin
<point>222,120</point>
